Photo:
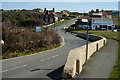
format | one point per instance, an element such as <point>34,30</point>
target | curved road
<point>47,64</point>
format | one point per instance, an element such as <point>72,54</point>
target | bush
<point>22,18</point>
<point>22,39</point>
<point>27,22</point>
<point>19,33</point>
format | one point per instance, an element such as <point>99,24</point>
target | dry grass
<point>19,40</point>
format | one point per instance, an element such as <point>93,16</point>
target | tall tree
<point>97,11</point>
<point>92,11</point>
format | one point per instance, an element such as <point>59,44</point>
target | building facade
<point>102,24</point>
<point>49,16</point>
<point>96,21</point>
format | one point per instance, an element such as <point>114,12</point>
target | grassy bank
<point>110,35</point>
<point>20,37</point>
<point>28,52</point>
<point>18,42</point>
<point>40,43</point>
<point>60,23</point>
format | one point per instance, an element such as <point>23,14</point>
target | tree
<point>23,10</point>
<point>102,10</point>
<point>37,9</point>
<point>97,11</point>
<point>27,22</point>
<point>92,11</point>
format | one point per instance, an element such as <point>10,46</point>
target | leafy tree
<point>92,11</point>
<point>26,22</point>
<point>37,9</point>
<point>97,11</point>
<point>22,18</point>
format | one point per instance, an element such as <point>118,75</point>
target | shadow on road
<point>39,69</point>
<point>56,74</point>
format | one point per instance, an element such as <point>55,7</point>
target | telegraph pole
<point>87,33</point>
<point>87,43</point>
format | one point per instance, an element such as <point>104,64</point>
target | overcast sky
<point>60,0</point>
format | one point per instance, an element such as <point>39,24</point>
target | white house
<point>96,22</point>
<point>102,24</point>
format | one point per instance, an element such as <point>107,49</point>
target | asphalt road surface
<point>48,64</point>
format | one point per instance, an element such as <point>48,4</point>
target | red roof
<point>63,12</point>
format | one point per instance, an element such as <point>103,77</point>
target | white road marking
<point>50,58</point>
<point>14,68</point>
<point>62,44</point>
<point>41,60</point>
<point>67,51</point>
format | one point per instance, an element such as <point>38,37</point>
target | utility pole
<point>87,37</point>
<point>102,23</point>
<point>87,43</point>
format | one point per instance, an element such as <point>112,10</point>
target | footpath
<point>101,63</point>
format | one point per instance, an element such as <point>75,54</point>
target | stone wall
<point>77,57</point>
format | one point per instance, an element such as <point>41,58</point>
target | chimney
<point>45,10</point>
<point>53,9</point>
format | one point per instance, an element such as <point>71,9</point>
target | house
<point>64,14</point>
<point>102,20</point>
<point>58,15</point>
<point>82,22</point>
<point>96,15</point>
<point>96,22</point>
<point>102,24</point>
<point>102,13</point>
<point>115,13</point>
<point>49,16</point>
<point>110,13</point>
<point>107,14</point>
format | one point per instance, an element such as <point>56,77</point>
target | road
<point>48,64</point>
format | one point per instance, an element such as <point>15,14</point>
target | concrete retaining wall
<point>92,38</point>
<point>77,57</point>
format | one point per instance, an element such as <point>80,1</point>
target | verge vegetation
<point>18,33</point>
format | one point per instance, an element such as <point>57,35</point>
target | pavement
<point>48,64</point>
<point>101,63</point>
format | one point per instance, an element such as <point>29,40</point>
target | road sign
<point>38,28</point>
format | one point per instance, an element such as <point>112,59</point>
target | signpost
<point>85,21</point>
<point>87,43</point>
<point>88,23</point>
<point>38,28</point>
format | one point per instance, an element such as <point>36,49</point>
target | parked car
<point>115,30</point>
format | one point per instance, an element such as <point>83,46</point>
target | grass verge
<point>28,52</point>
<point>110,35</point>
<point>59,23</point>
